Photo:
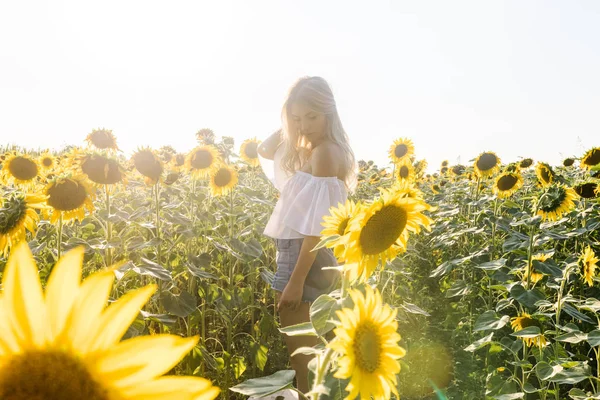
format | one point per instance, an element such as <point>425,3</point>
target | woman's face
<point>307,122</point>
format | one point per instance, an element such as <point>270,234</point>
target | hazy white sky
<point>521,78</point>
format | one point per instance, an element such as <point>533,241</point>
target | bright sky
<point>521,78</point>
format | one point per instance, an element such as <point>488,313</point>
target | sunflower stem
<point>321,371</point>
<point>108,228</point>
<point>59,239</point>
<point>157,206</point>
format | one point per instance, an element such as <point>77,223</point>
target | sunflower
<point>407,189</point>
<point>69,196</point>
<point>166,153</point>
<point>20,169</point>
<point>567,162</point>
<point>65,343</point>
<point>203,161</point>
<point>223,180</point>
<point>486,164</point>
<point>102,139</point>
<point>591,158</point>
<point>444,170</point>
<point>405,171</point>
<point>458,169</point>
<point>523,321</point>
<point>380,232</point>
<point>435,188</point>
<point>535,276</point>
<point>17,216</point>
<point>47,161</point>
<point>178,160</point>
<point>336,223</point>
<point>526,163</point>
<point>367,342</point>
<point>101,170</point>
<point>148,164</point>
<point>205,136</point>
<point>401,149</point>
<point>555,201</point>
<point>589,263</point>
<point>587,190</point>
<point>544,173</point>
<point>249,152</point>
<point>172,177</point>
<point>507,184</point>
<point>420,167</point>
<point>512,167</point>
<point>444,163</point>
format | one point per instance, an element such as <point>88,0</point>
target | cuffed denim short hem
<point>318,281</point>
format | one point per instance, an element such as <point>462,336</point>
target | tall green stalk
<point>108,227</point>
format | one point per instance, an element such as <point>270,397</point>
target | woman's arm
<point>268,147</point>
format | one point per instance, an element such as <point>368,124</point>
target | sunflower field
<point>148,277</point>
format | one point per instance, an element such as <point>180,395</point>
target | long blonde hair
<point>315,92</point>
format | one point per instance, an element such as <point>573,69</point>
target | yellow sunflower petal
<point>173,388</point>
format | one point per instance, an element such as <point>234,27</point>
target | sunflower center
<point>546,174</point>
<point>47,162</point>
<point>23,168</point>
<point>507,182</point>
<point>383,229</point>
<point>147,164</point>
<point>593,158</point>
<point>526,162</point>
<point>201,159</point>
<point>12,213</point>
<point>48,375</point>
<point>401,150</point>
<point>342,226</point>
<point>251,150</point>
<point>586,190</point>
<point>487,161</point>
<point>101,170</point>
<point>66,195</point>
<point>367,347</point>
<point>179,160</point>
<point>403,172</point>
<point>551,201</point>
<point>222,177</point>
<point>524,322</point>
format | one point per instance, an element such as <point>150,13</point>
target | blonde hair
<point>315,92</point>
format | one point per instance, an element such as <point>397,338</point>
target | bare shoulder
<point>328,160</point>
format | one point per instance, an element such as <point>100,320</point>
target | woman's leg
<point>299,362</point>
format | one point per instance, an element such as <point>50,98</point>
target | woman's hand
<point>291,297</point>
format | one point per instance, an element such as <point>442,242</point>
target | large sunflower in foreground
<point>17,216</point>
<point>102,139</point>
<point>148,164</point>
<point>64,343</point>
<point>336,223</point>
<point>249,152</point>
<point>587,190</point>
<point>20,169</point>
<point>223,180</point>
<point>380,232</point>
<point>555,201</point>
<point>590,158</point>
<point>507,184</point>
<point>544,173</point>
<point>589,263</point>
<point>69,196</point>
<point>523,321</point>
<point>534,276</point>
<point>401,149</point>
<point>203,161</point>
<point>486,164</point>
<point>367,342</point>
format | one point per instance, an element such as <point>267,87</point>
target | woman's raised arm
<point>268,147</point>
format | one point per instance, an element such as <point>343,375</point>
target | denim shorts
<point>318,281</point>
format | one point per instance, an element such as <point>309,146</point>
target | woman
<point>314,167</point>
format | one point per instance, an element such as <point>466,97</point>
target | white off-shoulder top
<point>303,202</point>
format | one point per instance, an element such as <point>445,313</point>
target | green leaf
<point>489,320</point>
<point>547,267</point>
<point>529,332</point>
<point>181,305</point>
<point>572,375</point>
<point>545,371</point>
<point>578,394</point>
<point>302,329</point>
<point>151,268</point>
<point>322,311</point>
<point>492,265</point>
<point>479,343</point>
<point>259,354</point>
<point>261,387</point>
<point>572,337</point>
<point>572,311</point>
<point>593,338</point>
<point>509,396</point>
<point>459,288</point>
<point>325,241</point>
<point>413,309</point>
<point>239,366</point>
<point>527,298</point>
